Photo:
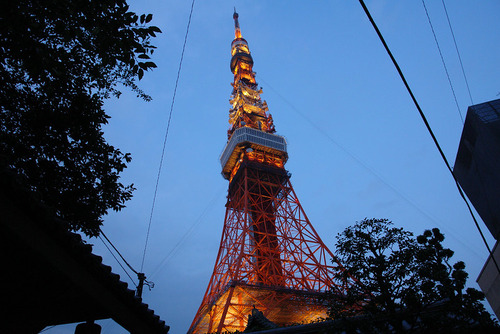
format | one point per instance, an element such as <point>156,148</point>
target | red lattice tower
<point>270,256</point>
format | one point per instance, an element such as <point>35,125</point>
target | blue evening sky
<point>357,145</point>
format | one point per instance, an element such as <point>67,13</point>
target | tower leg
<point>226,307</point>
<point>270,256</point>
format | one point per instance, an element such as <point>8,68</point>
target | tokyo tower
<point>270,256</point>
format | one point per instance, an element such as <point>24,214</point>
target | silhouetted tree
<point>59,61</point>
<point>406,284</point>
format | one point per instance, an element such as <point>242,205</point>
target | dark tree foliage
<point>59,61</point>
<point>406,284</point>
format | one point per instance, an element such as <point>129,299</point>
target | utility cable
<point>442,60</point>
<point>123,268</point>
<point>458,52</point>
<point>367,167</point>
<point>188,232</point>
<point>118,252</point>
<point>166,135</point>
<point>424,119</point>
<point>140,276</point>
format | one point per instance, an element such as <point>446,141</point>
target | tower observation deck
<point>270,256</point>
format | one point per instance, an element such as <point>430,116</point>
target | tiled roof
<point>54,277</point>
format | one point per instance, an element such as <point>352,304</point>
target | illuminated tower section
<point>270,257</point>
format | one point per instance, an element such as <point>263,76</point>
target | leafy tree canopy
<point>405,283</point>
<point>59,61</point>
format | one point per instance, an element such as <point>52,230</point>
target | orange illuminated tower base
<point>281,305</point>
<point>270,256</point>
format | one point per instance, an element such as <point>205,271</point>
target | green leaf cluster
<point>405,284</point>
<point>59,61</point>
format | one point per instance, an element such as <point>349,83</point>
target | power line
<point>117,251</point>
<point>442,60</point>
<point>123,268</point>
<point>424,119</point>
<point>458,52</point>
<point>140,276</point>
<point>166,135</point>
<point>188,233</point>
<point>366,166</point>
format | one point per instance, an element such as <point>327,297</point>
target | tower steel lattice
<point>270,256</point>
